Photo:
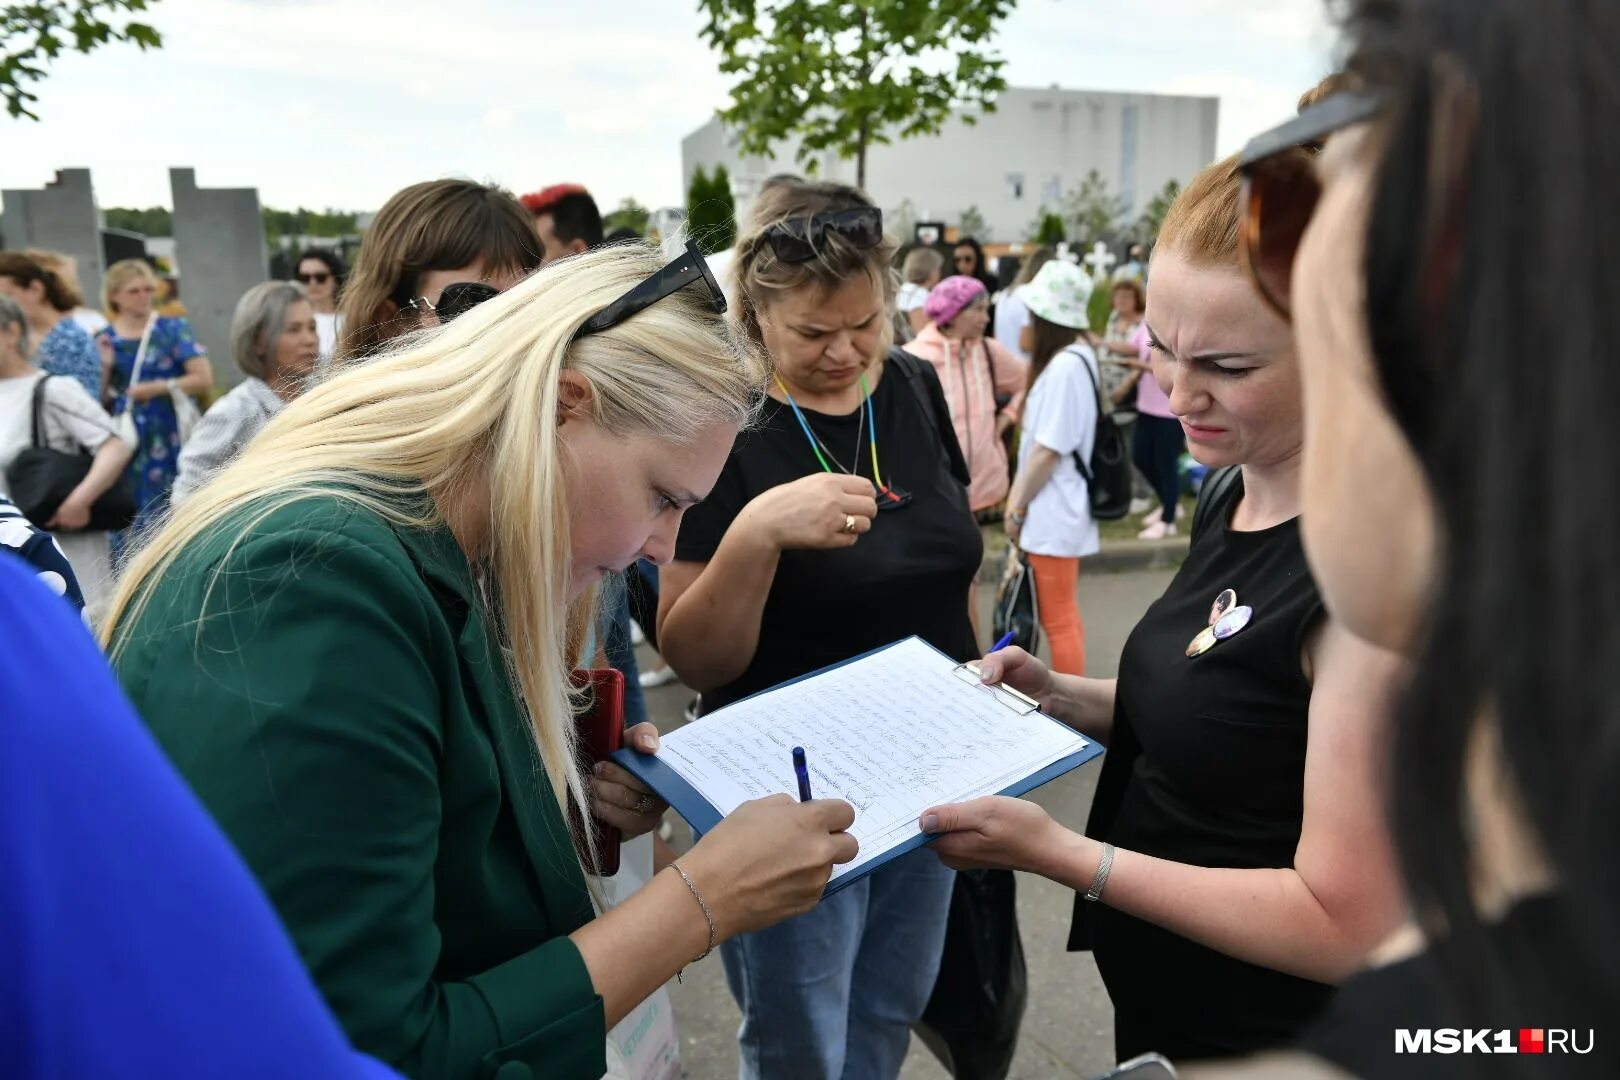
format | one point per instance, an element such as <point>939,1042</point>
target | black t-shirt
<point>908,575</point>
<point>1552,984</point>
<point>1206,765</point>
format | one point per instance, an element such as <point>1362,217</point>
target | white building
<point>1026,155</point>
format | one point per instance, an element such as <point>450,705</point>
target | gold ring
<point>849,523</point>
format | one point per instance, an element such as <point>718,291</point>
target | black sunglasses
<point>796,239</point>
<point>318,278</point>
<point>454,299</point>
<point>687,269</point>
<point>1281,190</point>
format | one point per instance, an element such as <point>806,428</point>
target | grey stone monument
<point>61,216</point>
<point>219,247</point>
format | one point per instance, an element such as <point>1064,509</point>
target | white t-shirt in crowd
<point>911,297</point>
<point>90,321</point>
<point>1060,414</point>
<point>1012,315</point>
<point>326,329</point>
<point>73,421</point>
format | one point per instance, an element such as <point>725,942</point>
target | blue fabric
<point>37,548</point>
<point>68,350</point>
<point>133,942</point>
<point>157,452</point>
<point>622,655</point>
<point>832,994</point>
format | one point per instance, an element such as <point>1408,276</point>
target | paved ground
<point>1067,1029</point>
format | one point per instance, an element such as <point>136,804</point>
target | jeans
<point>832,994</point>
<point>1156,448</point>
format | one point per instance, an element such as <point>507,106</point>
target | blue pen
<point>802,771</point>
<point>1006,640</point>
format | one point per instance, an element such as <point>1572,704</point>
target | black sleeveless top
<point>1206,765</point>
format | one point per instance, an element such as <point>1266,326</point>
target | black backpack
<point>1108,473</point>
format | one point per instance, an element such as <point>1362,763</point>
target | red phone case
<point>601,732</point>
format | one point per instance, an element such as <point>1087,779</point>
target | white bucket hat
<point>1060,294</point>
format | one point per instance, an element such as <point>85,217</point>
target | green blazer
<point>328,688</point>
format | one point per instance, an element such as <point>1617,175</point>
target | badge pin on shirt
<point>1226,618</point>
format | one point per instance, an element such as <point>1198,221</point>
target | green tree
<point>33,34</point>
<point>973,224</point>
<point>845,74</point>
<point>151,221</point>
<point>629,215</point>
<point>711,212</point>
<point>1091,212</point>
<point>1046,229</point>
<point>1152,218</point>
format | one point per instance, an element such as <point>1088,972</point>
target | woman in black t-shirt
<point>1236,842</point>
<point>840,524</point>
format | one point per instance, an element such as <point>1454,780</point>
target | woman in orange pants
<point>1049,509</point>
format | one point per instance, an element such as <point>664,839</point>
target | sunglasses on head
<point>796,239</point>
<point>454,300</point>
<point>320,277</point>
<point>1281,190</point>
<point>688,268</point>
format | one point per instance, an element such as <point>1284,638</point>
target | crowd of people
<point>314,804</point>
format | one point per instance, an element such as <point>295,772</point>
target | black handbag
<point>972,1018</point>
<point>41,479</point>
<point>1017,611</point>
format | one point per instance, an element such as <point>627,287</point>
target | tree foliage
<point>972,223</point>
<point>1047,229</point>
<point>33,34</point>
<point>1091,212</point>
<point>1152,219</point>
<point>629,215</point>
<point>844,75</point>
<point>711,211</point>
<point>159,221</point>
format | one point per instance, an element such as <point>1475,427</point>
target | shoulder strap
<point>911,370</point>
<point>1212,495</point>
<point>39,412</point>
<point>140,351</point>
<point>1079,459</point>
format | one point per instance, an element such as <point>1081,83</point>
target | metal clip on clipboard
<point>1022,704</point>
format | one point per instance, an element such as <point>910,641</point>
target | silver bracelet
<point>1104,865</point>
<point>708,917</point>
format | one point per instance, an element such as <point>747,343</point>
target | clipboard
<point>702,815</point>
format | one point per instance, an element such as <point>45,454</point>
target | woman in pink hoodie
<point>984,383</point>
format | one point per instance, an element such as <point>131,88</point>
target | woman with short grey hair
<point>275,343</point>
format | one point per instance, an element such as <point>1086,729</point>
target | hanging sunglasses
<point>796,239</point>
<point>455,299</point>
<point>1281,190</point>
<point>687,269</point>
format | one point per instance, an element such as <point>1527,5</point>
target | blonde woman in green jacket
<point>355,643</point>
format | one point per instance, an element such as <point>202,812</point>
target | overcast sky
<point>341,102</point>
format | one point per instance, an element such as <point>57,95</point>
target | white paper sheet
<point>893,734</point>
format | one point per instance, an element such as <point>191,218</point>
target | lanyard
<point>816,444</point>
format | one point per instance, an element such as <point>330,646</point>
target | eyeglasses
<point>1281,190</point>
<point>455,299</point>
<point>687,269</point>
<point>320,277</point>
<point>796,239</point>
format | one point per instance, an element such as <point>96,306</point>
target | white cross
<point>1065,254</point>
<point>1100,259</point>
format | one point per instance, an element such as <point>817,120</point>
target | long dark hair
<point>1050,339</point>
<point>1499,155</point>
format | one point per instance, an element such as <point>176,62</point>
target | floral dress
<point>157,452</point>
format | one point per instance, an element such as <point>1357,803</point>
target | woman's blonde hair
<point>118,275</point>
<point>66,272</point>
<point>436,225</point>
<point>761,278</point>
<point>474,405</point>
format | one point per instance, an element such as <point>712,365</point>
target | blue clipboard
<point>702,816</point>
